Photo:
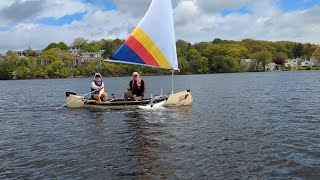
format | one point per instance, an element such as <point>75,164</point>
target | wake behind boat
<point>153,44</point>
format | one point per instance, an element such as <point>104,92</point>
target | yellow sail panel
<point>151,47</point>
<point>153,41</point>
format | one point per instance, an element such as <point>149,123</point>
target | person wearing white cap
<point>97,89</point>
<point>136,89</point>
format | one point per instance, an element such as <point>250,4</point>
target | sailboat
<point>152,43</point>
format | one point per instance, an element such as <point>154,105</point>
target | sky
<point>36,23</point>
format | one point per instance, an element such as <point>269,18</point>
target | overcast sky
<point>36,23</point>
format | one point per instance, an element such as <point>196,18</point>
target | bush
<point>6,70</point>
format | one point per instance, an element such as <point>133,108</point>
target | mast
<point>172,76</point>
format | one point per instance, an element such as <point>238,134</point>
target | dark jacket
<point>137,90</point>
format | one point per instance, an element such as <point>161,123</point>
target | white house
<point>306,64</point>
<point>91,55</point>
<point>86,55</point>
<point>271,66</point>
<point>314,61</point>
<point>22,54</point>
<point>292,62</point>
<point>246,64</point>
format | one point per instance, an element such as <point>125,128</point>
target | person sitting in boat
<point>97,89</point>
<point>136,88</point>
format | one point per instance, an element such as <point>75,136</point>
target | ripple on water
<point>241,126</point>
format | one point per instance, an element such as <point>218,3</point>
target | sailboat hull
<point>75,101</point>
<point>183,98</point>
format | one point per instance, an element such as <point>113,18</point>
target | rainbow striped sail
<point>152,43</point>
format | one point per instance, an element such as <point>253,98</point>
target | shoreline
<point>147,75</point>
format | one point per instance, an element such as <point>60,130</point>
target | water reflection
<point>148,145</point>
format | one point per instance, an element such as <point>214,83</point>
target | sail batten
<point>152,43</point>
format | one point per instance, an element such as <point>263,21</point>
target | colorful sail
<point>152,43</point>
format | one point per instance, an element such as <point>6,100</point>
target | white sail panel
<point>158,23</point>
<point>152,42</point>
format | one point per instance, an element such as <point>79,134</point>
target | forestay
<point>152,43</point>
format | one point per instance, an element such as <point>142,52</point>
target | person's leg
<point>137,98</point>
<point>97,97</point>
<point>127,95</point>
<point>104,97</point>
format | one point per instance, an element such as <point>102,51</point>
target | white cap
<point>135,73</point>
<point>98,74</point>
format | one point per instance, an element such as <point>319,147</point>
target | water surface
<point>241,126</point>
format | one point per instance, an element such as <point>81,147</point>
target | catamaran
<point>152,43</point>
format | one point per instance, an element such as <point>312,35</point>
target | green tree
<point>78,42</point>
<point>199,66</point>
<point>24,62</point>
<point>201,46</point>
<point>6,69</point>
<point>298,50</point>
<point>316,55</point>
<point>54,69</point>
<point>12,56</point>
<point>217,41</point>
<point>63,46</point>
<point>108,48</point>
<point>89,47</point>
<point>262,58</point>
<point>40,72</point>
<point>184,65</point>
<point>22,72</point>
<point>51,55</point>
<point>308,50</point>
<point>183,48</point>
<point>51,46</point>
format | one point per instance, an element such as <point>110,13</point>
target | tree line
<point>217,56</point>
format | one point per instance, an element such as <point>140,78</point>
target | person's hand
<point>101,87</point>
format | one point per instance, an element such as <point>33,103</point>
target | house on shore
<point>246,64</point>
<point>314,61</point>
<point>271,67</point>
<point>91,55</point>
<point>81,57</point>
<point>86,55</point>
<point>24,53</point>
<point>250,65</point>
<point>293,63</point>
<point>306,64</point>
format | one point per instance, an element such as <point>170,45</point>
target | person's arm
<point>141,90</point>
<point>102,88</point>
<point>130,86</point>
<point>93,86</point>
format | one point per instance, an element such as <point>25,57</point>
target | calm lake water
<point>241,126</point>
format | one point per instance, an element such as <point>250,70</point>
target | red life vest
<point>138,80</point>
